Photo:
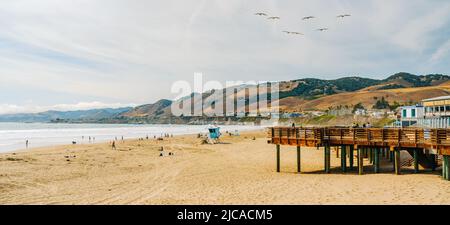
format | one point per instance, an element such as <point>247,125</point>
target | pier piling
<point>299,161</point>
<point>416,160</point>
<point>376,160</point>
<point>343,158</point>
<point>360,161</point>
<point>397,163</point>
<point>351,156</point>
<point>278,158</point>
<point>444,167</point>
<point>327,162</point>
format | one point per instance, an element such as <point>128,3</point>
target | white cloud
<point>132,51</point>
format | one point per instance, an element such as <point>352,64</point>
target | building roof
<point>437,98</point>
<point>411,107</point>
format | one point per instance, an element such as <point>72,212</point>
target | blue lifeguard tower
<point>214,134</point>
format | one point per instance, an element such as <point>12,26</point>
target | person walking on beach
<point>26,143</point>
<point>113,145</point>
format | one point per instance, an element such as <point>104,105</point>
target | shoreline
<point>240,170</point>
<point>51,135</point>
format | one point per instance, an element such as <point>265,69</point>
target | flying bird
<point>297,33</point>
<point>293,32</point>
<point>308,17</point>
<point>344,15</point>
<point>261,14</point>
<point>273,18</point>
<point>322,29</point>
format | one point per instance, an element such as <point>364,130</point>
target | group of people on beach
<point>113,142</point>
<point>365,125</point>
<point>91,139</point>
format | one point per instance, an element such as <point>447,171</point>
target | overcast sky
<point>58,54</point>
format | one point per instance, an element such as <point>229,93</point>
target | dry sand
<point>238,171</point>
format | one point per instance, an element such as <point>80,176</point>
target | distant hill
<point>315,88</point>
<point>317,94</point>
<point>156,109</point>
<point>367,98</point>
<point>66,116</point>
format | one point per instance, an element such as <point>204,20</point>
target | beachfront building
<point>410,115</point>
<point>431,113</point>
<point>437,112</point>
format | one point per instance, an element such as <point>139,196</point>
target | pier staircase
<point>425,160</point>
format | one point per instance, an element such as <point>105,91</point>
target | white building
<point>432,113</point>
<point>410,115</point>
<point>437,112</point>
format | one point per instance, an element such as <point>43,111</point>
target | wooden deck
<point>421,143</point>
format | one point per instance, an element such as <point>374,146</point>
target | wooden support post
<point>383,152</point>
<point>337,152</point>
<point>299,161</point>
<point>416,160</point>
<point>376,160</point>
<point>433,164</point>
<point>447,167</point>
<point>444,167</point>
<point>278,158</point>
<point>391,156</point>
<point>360,161</point>
<point>371,155</point>
<point>343,158</point>
<point>397,162</point>
<point>327,159</point>
<point>351,157</point>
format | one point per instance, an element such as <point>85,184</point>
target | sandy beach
<point>240,170</point>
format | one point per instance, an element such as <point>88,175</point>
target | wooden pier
<point>372,143</point>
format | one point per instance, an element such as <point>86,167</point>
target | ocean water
<point>13,136</point>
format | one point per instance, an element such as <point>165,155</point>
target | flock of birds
<point>304,19</point>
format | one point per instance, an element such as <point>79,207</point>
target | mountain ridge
<point>295,95</point>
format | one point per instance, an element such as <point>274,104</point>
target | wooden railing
<point>438,139</point>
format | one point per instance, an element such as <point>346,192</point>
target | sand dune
<point>238,171</point>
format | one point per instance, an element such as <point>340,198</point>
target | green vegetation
<point>383,122</point>
<point>419,81</point>
<point>322,119</point>
<point>313,88</point>
<point>357,106</point>
<point>382,104</point>
<point>391,86</point>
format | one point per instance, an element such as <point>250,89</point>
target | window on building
<point>436,109</point>
<point>413,112</point>
<point>447,108</point>
<point>404,113</point>
<point>442,108</point>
